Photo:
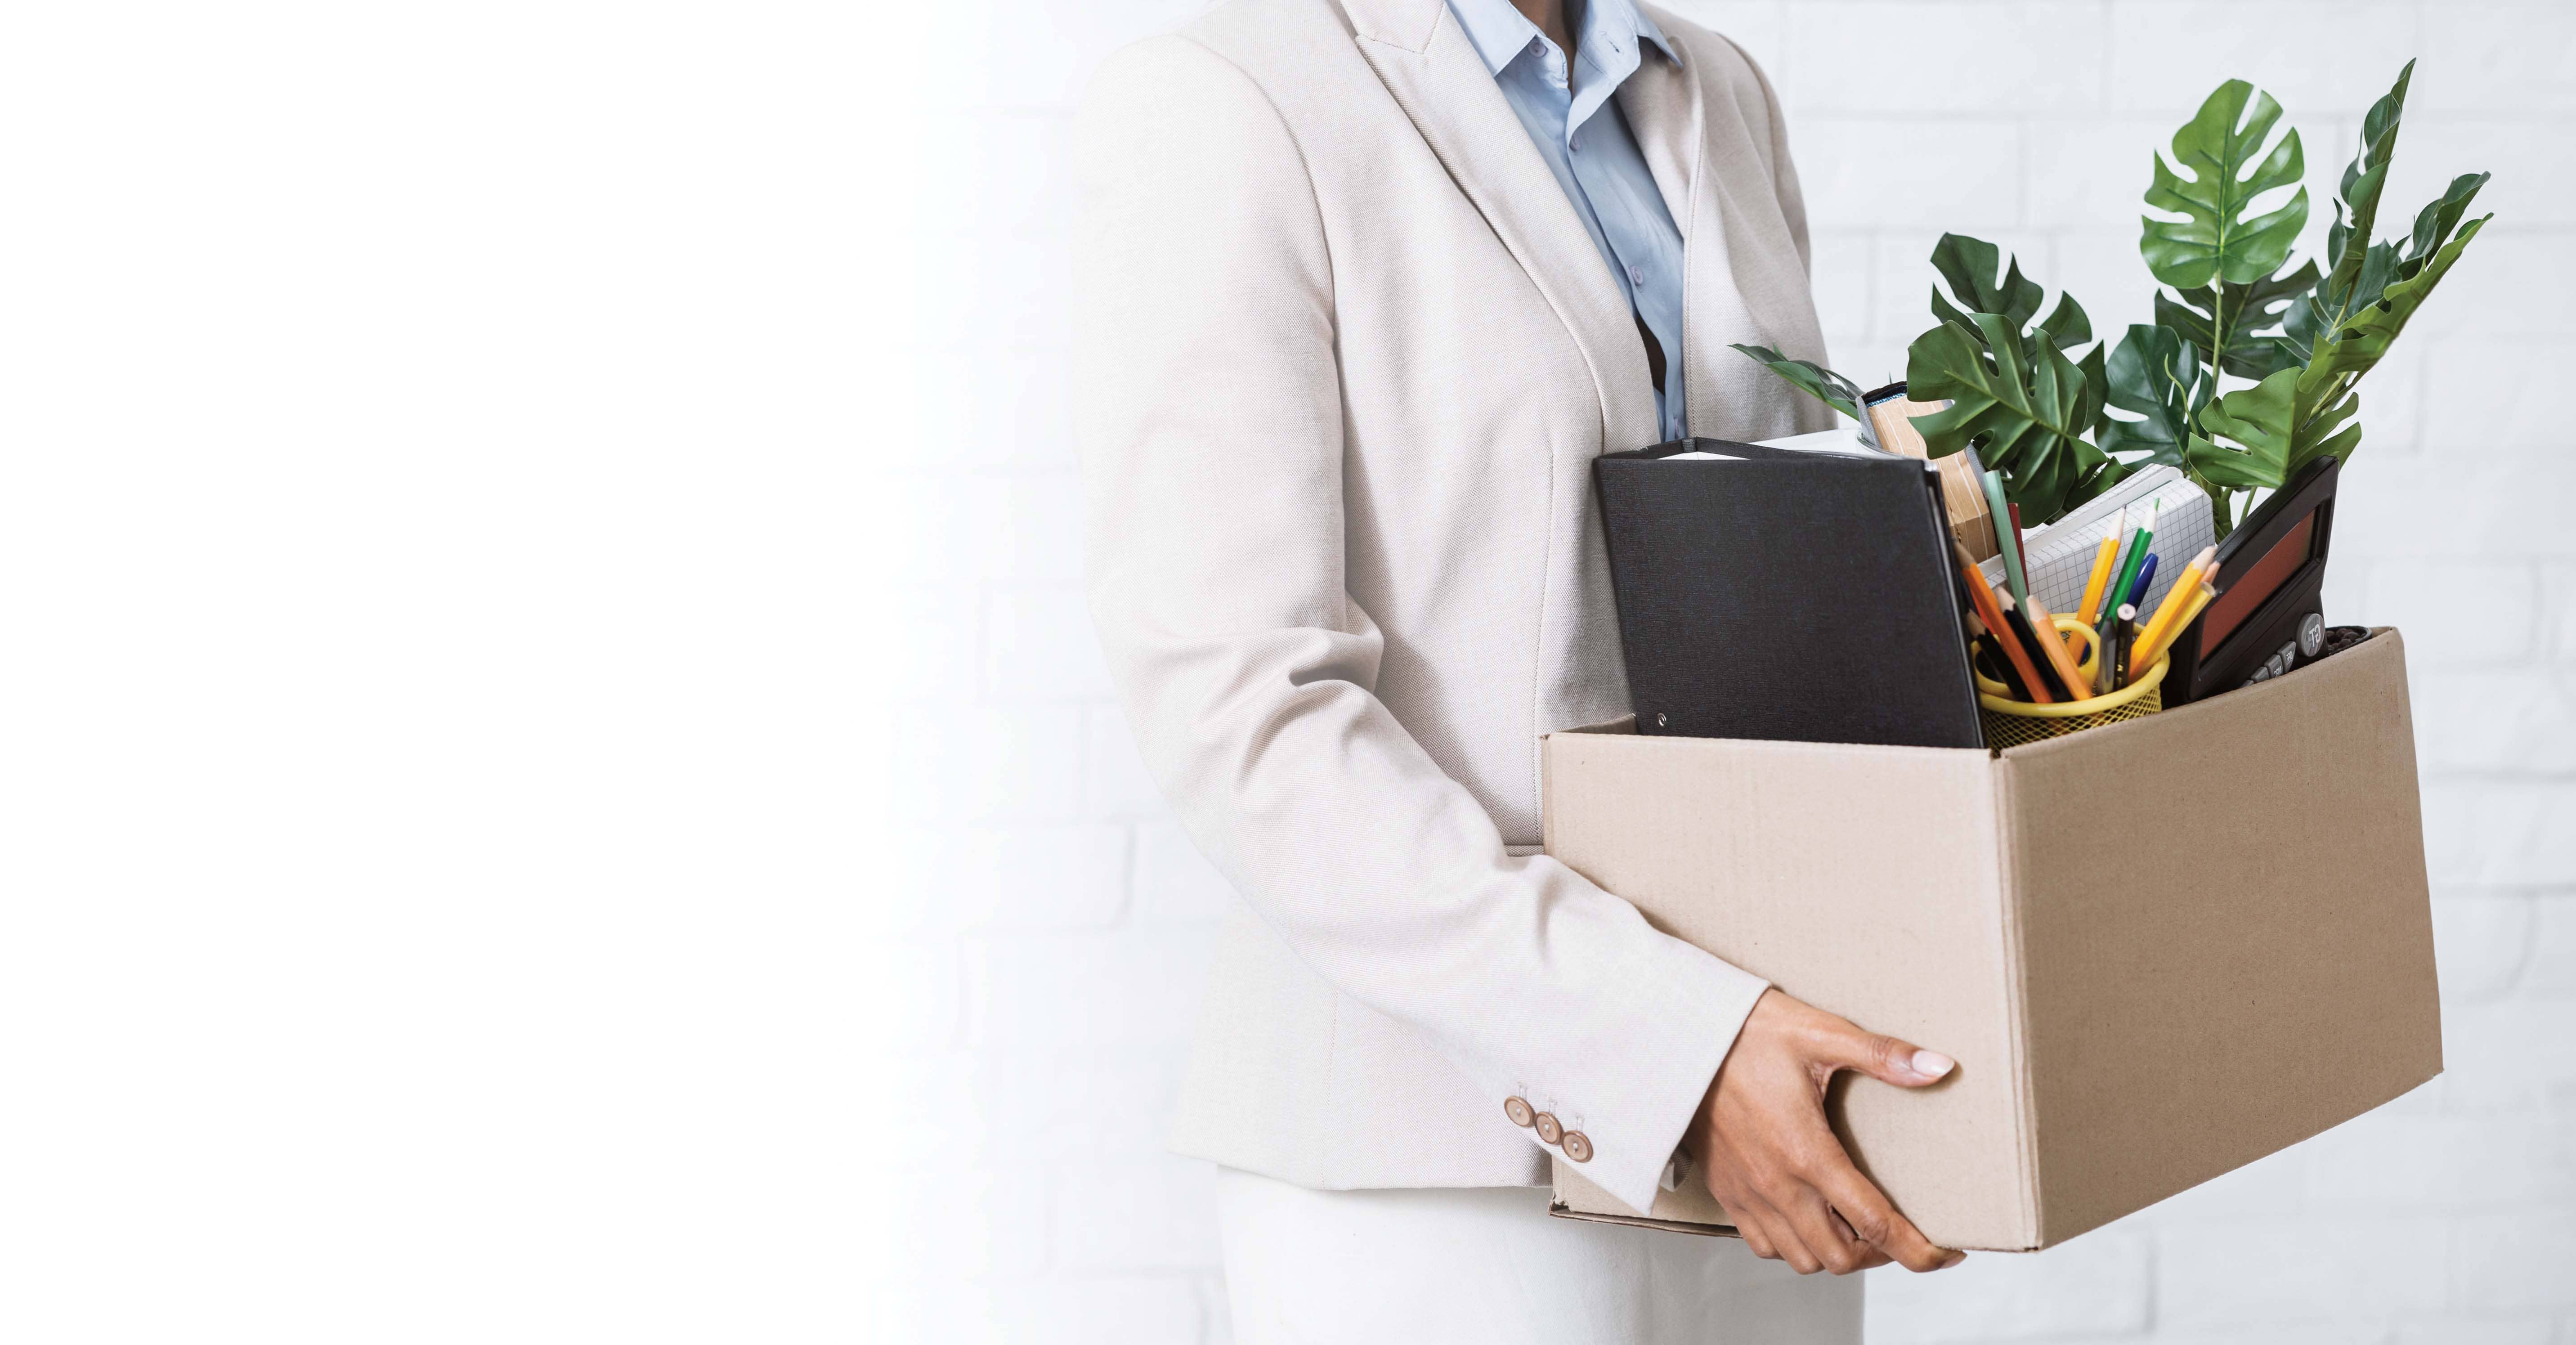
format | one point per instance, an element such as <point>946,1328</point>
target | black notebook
<point>1787,594</point>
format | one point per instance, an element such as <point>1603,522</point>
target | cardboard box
<point>2159,950</point>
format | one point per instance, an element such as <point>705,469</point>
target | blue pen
<point>2138,587</point>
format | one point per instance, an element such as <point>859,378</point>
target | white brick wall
<point>1039,980</point>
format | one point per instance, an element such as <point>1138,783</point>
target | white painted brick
<point>2346,1332</point>
<point>2455,613</point>
<point>1175,884</point>
<point>2091,173</point>
<point>1039,645</point>
<point>2480,943</point>
<point>2507,1261</point>
<point>2509,281</point>
<point>1760,27</point>
<point>2529,156</point>
<point>2499,57</point>
<point>2102,269</point>
<point>1024,877</point>
<point>1904,277</point>
<point>2518,720</point>
<point>1143,1214</point>
<point>1840,273</point>
<point>2440,1163</point>
<point>1017,178</point>
<point>1966,180</point>
<point>1028,55</point>
<point>2475,1331</point>
<point>2393,419</point>
<point>1031,427</point>
<point>1077,1104</point>
<point>2493,834</point>
<point>1027,528</point>
<point>937,657</point>
<point>964,1226</point>
<point>2511,506</point>
<point>2225,1276</point>
<point>1115,781</point>
<point>1129,988</point>
<point>2317,58</point>
<point>912,993</point>
<point>2271,1185</point>
<point>982,763</point>
<point>2512,1055</point>
<point>1095,1310</point>
<point>1957,56</point>
<point>2095,1285</point>
<point>2552,969</point>
<point>1011,292</point>
<point>1872,363</point>
<point>2469,410</point>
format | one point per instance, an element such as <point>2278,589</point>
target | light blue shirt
<point>1585,139</point>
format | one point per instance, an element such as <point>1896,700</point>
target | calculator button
<point>2312,634</point>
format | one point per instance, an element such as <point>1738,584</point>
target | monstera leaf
<point>2258,420</point>
<point>2215,240</point>
<point>1815,380</point>
<point>2246,312</point>
<point>1968,264</point>
<point>2326,404</point>
<point>2156,373</point>
<point>2025,406</point>
<point>2362,268</point>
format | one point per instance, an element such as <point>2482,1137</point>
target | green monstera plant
<point>2248,372</point>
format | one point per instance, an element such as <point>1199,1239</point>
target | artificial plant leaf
<point>1968,265</point>
<point>2324,389</point>
<point>2349,241</point>
<point>2026,408</point>
<point>2215,239</point>
<point>2258,419</point>
<point>2249,310</point>
<point>2433,224</point>
<point>2156,373</point>
<point>1815,380</point>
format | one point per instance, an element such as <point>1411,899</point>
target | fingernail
<point>1932,1064</point>
<point>1953,1259</point>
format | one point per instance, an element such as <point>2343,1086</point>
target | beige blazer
<point>1345,355</point>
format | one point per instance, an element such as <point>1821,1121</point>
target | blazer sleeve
<point>1211,428</point>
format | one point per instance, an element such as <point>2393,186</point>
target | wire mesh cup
<point>2010,723</point>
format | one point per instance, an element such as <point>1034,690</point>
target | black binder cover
<point>1789,595</point>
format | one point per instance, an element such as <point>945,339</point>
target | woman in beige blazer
<point>1346,353</point>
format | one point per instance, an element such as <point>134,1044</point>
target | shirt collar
<point>1501,32</point>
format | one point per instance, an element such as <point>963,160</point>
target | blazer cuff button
<point>1519,1111</point>
<point>1547,1127</point>
<point>1578,1147</point>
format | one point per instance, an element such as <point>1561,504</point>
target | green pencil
<point>2014,579</point>
<point>2142,539</point>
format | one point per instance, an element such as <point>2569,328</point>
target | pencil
<point>1982,652</point>
<point>2177,598</point>
<point>2189,615</point>
<point>2103,555</point>
<point>2146,579</point>
<point>2029,638</point>
<point>2020,552</point>
<point>2143,538</point>
<point>1982,599</point>
<point>2113,669</point>
<point>2014,581</point>
<point>2055,647</point>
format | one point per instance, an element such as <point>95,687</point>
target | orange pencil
<point>1992,613</point>
<point>2054,646</point>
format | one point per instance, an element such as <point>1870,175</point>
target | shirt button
<point>1575,145</point>
<point>1636,275</point>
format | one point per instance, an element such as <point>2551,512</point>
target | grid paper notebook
<point>2061,553</point>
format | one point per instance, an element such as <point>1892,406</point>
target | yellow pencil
<point>2176,598</point>
<point>2102,558</point>
<point>2138,666</point>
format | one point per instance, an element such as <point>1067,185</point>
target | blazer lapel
<point>1743,280</point>
<point>1435,74</point>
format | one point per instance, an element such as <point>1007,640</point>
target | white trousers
<point>1489,1267</point>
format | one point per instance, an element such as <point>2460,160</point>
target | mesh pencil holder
<point>2010,723</point>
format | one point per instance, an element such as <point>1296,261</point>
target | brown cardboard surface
<point>1861,879</point>
<point>2258,970</point>
<point>2159,950</point>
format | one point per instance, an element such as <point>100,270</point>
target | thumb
<point>1884,1058</point>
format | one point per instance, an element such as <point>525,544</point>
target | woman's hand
<point>1761,1139</point>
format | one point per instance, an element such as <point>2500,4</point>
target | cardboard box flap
<point>2192,891</point>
